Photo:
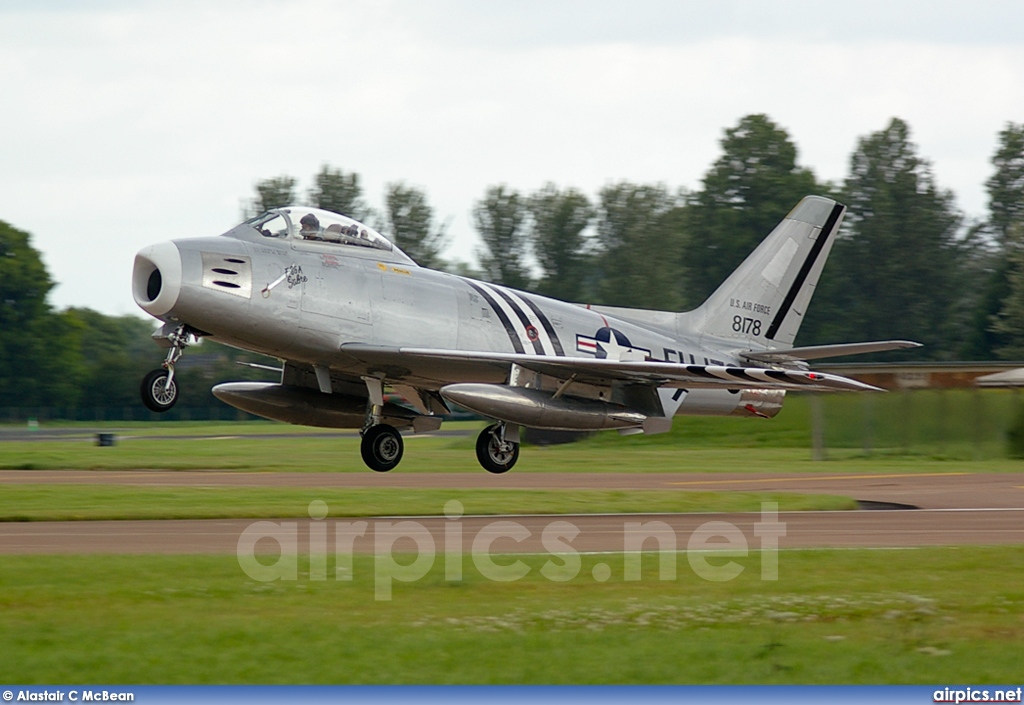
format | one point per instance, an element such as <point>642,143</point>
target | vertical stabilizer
<point>762,304</point>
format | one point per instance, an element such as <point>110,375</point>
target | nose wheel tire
<point>495,455</point>
<point>382,447</point>
<point>157,394</point>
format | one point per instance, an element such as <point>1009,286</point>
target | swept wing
<point>444,366</point>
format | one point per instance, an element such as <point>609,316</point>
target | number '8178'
<point>747,326</point>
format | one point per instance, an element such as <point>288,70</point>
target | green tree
<point>558,234</point>
<point>409,222</point>
<point>1006,186</point>
<point>993,332</point>
<point>899,257</point>
<point>1009,323</point>
<point>336,191</point>
<point>500,220</point>
<point>272,193</point>
<point>117,351</point>
<point>39,360</point>
<point>990,267</point>
<point>640,238</point>
<point>745,194</point>
<point>24,281</point>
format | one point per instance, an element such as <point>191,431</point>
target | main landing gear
<point>382,445</point>
<point>159,389</point>
<point>497,448</point>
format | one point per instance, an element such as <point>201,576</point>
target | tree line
<point>77,362</point>
<point>907,263</point>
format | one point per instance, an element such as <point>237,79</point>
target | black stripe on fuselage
<point>517,344</point>
<point>538,347</point>
<point>805,270</point>
<point>548,328</point>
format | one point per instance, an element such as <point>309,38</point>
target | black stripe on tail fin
<point>787,303</point>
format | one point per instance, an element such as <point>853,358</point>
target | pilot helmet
<point>309,222</point>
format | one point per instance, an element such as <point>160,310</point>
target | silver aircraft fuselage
<point>350,314</point>
<point>348,294</point>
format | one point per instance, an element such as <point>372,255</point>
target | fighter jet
<point>351,316</point>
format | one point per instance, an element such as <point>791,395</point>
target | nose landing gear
<point>159,389</point>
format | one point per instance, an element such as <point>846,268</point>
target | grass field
<point>47,502</point>
<point>908,616</point>
<point>922,431</point>
<point>834,616</point>
<point>426,454</point>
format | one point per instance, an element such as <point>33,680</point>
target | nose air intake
<point>156,279</point>
<point>156,282</point>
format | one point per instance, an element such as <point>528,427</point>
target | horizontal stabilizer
<point>816,352</point>
<point>1009,378</point>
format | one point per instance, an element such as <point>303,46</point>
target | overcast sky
<point>127,123</point>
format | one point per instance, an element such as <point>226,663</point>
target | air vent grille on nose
<point>227,274</point>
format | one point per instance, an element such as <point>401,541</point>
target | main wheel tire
<point>157,395</point>
<point>382,447</point>
<point>490,453</point>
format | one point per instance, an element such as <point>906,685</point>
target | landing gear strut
<point>496,449</point>
<point>159,389</point>
<point>382,444</point>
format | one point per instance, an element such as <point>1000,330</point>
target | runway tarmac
<point>951,509</point>
<point>526,534</point>
<point>948,490</point>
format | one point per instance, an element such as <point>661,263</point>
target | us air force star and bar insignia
<point>610,344</point>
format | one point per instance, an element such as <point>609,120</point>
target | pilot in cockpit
<point>310,227</point>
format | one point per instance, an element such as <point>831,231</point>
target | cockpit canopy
<point>316,225</point>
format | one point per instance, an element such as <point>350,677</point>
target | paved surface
<point>950,490</point>
<point>956,509</point>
